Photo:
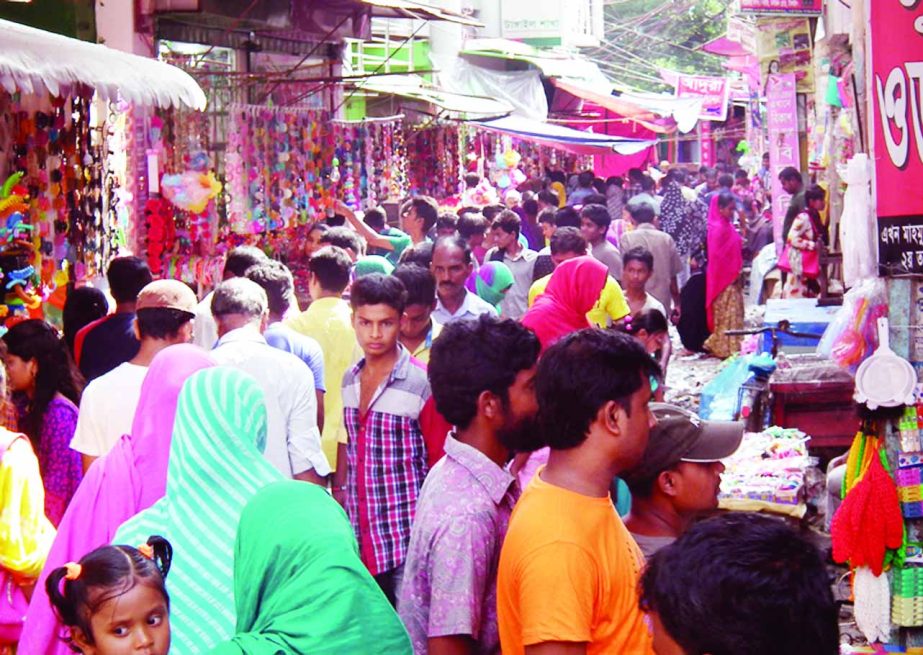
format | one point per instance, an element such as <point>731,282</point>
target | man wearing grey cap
<point>678,478</point>
<point>163,316</point>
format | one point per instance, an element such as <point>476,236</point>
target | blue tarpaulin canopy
<point>565,138</point>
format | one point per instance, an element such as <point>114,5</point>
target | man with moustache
<point>448,600</point>
<point>452,264</point>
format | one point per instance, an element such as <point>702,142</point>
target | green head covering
<point>491,282</point>
<point>373,264</point>
<point>216,467</point>
<point>302,589</point>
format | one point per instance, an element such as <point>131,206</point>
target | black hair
<point>491,211</point>
<point>426,207</point>
<point>161,322</point>
<point>789,173</point>
<point>472,180</point>
<point>277,282</point>
<point>743,583</point>
<point>36,339</point>
<point>81,307</point>
<point>317,227</point>
<point>557,176</point>
<point>375,218</point>
<point>331,266</point>
<point>446,221</point>
<point>567,239</point>
<point>615,180</point>
<point>726,181</point>
<point>594,199</point>
<point>419,283</point>
<point>711,173</point>
<point>567,216</point>
<point>336,220</point>
<point>547,216</point>
<point>651,321</point>
<point>127,276</point>
<point>703,170</point>
<point>581,373</point>
<point>105,574</point>
<point>241,258</point>
<point>740,174</point>
<point>600,185</point>
<point>679,175</point>
<point>530,206</point>
<point>493,352</point>
<point>635,174</point>
<point>508,221</point>
<point>378,289</point>
<point>642,213</point>
<point>421,254</point>
<point>647,183</point>
<point>344,238</point>
<point>548,197</point>
<point>814,192</point>
<point>598,214</point>
<point>454,242</point>
<point>639,254</point>
<point>471,224</point>
<point>726,198</point>
<point>585,179</point>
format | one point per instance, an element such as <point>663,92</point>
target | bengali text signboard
<point>713,91</point>
<point>786,7</point>
<point>782,122</point>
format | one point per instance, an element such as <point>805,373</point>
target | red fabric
<point>572,291</point>
<point>725,258</point>
<point>434,428</point>
<point>82,334</point>
<point>869,521</point>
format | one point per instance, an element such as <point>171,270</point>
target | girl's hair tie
<point>73,571</point>
<point>147,550</point>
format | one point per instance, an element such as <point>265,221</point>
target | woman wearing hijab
<point>572,291</point>
<point>127,480</point>
<point>305,591</point>
<point>491,282</point>
<point>216,466</point>
<point>724,300</point>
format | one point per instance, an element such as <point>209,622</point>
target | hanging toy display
<point>17,255</point>
<point>506,174</point>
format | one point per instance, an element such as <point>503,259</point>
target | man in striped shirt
<point>387,411</point>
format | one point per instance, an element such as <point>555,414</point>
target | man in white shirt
<point>451,265</point>
<point>164,313</point>
<point>239,260</point>
<point>241,311</point>
<point>519,259</point>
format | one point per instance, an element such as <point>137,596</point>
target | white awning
<point>33,61</point>
<point>413,87</point>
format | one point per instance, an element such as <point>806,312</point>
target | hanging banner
<point>784,46</point>
<point>708,144</point>
<point>786,7</point>
<point>713,91</point>
<point>782,123</point>
<point>897,142</point>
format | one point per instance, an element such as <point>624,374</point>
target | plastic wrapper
<point>851,336</point>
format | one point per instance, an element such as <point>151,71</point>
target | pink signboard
<point>708,144</point>
<point>713,91</point>
<point>897,145</point>
<point>784,7</point>
<point>782,123</point>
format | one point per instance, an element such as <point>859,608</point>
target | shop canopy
<point>463,106</point>
<point>33,61</point>
<point>419,11</point>
<point>564,138</point>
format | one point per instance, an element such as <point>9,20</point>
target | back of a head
<point>567,240</point>
<point>490,212</point>
<point>567,217</point>
<point>585,179</point>
<point>642,213</point>
<point>508,221</point>
<point>548,197</point>
<point>330,266</point>
<point>493,352</point>
<point>241,296</point>
<point>557,176</point>
<point>375,218</point>
<point>378,289</point>
<point>598,214</point>
<point>635,175</point>
<point>743,583</point>
<point>648,184</point>
<point>472,180</point>
<point>241,258</point>
<point>82,306</point>
<point>277,281</point>
<point>530,207</point>
<point>604,365</point>
<point>345,238</point>
<point>421,254</point>
<point>726,198</point>
<point>679,175</point>
<point>447,222</point>
<point>740,175</point>
<point>419,283</point>
<point>471,225</point>
<point>127,276</point>
<point>725,181</point>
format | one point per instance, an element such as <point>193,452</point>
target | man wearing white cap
<point>163,316</point>
<point>679,476</point>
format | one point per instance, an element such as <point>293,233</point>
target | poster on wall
<point>713,91</point>
<point>784,46</point>
<point>782,124</point>
<point>897,137</point>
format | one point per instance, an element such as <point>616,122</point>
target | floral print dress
<point>802,237</point>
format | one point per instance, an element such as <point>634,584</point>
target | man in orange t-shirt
<point>568,574</point>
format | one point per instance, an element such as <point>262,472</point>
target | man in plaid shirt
<point>386,400</point>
